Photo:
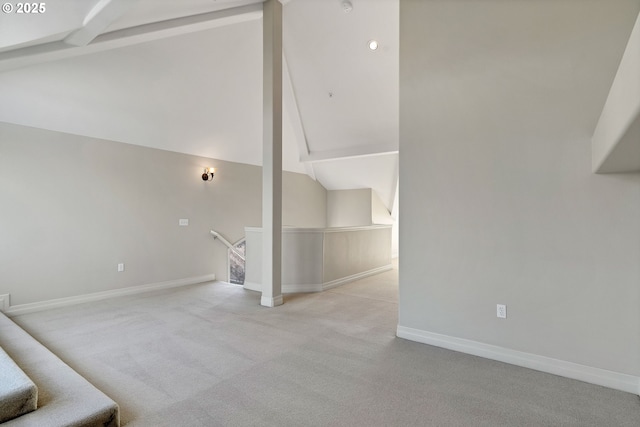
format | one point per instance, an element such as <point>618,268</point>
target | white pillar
<point>272,155</point>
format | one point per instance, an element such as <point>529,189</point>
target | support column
<point>272,155</point>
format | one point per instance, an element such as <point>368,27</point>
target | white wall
<point>353,208</point>
<point>74,207</point>
<point>348,208</point>
<point>379,212</point>
<point>499,204</point>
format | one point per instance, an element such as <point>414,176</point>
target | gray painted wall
<point>73,207</point>
<point>354,208</point>
<point>499,204</point>
<point>313,257</point>
<point>352,252</point>
<point>349,208</point>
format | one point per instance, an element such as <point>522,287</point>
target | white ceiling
<point>142,12</point>
<point>347,94</point>
<point>193,93</point>
<point>187,76</point>
<point>56,23</point>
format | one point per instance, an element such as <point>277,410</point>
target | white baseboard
<point>286,289</point>
<point>252,286</point>
<point>33,307</point>
<point>357,276</point>
<point>5,300</point>
<point>293,288</point>
<point>603,377</point>
<point>271,302</point>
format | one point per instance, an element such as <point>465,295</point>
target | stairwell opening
<point>237,263</point>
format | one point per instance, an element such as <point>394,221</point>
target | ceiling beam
<point>130,36</point>
<point>290,105</point>
<point>615,145</point>
<point>350,152</point>
<point>103,14</point>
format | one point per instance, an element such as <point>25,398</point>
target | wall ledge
<point>602,377</point>
<point>15,310</point>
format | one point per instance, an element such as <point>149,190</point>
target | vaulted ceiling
<point>186,76</point>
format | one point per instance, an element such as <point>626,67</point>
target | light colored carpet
<point>18,394</point>
<point>65,399</point>
<point>209,355</point>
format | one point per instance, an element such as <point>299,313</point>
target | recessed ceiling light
<point>373,45</point>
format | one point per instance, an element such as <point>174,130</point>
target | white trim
<point>33,307</point>
<point>271,302</point>
<point>287,289</point>
<point>351,152</point>
<point>300,135</point>
<point>357,276</point>
<point>57,50</point>
<point>294,288</point>
<point>603,377</point>
<point>5,302</point>
<point>103,14</point>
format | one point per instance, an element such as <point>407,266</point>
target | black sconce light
<point>208,174</point>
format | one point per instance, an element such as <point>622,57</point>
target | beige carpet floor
<point>209,355</point>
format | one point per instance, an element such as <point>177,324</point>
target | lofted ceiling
<point>187,77</point>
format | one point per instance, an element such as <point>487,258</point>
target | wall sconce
<point>208,174</point>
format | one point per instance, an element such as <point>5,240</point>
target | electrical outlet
<point>501,311</point>
<point>120,267</point>
<point>183,222</point>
